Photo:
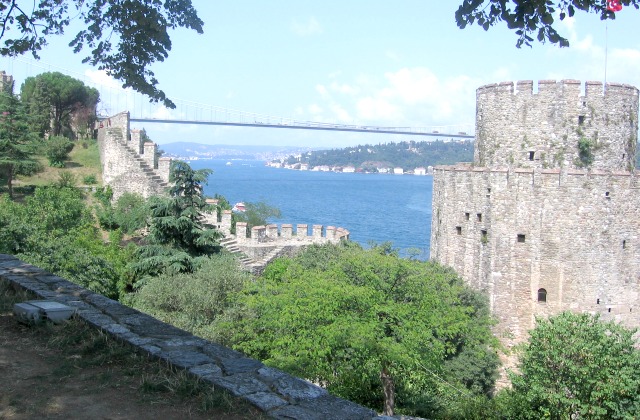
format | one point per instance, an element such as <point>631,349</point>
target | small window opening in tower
<point>467,215</point>
<point>581,119</point>
<point>597,301</point>
<point>521,238</point>
<point>459,230</point>
<point>607,195</point>
<point>479,215</point>
<point>532,155</point>
<point>608,309</point>
<point>488,190</point>
<point>624,244</point>
<point>542,295</point>
<point>483,236</point>
<point>624,155</point>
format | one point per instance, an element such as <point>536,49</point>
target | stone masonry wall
<point>518,223</point>
<point>277,394</point>
<point>574,234</point>
<point>517,127</point>
<point>128,163</point>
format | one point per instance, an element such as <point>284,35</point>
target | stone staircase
<point>250,264</point>
<point>146,168</point>
<point>154,179</point>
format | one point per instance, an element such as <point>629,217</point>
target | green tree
<point>53,99</point>
<point>578,366</point>
<point>177,239</point>
<point>16,141</point>
<point>257,214</point>
<point>365,324</point>
<point>531,18</point>
<point>124,38</point>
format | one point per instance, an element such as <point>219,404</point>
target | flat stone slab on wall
<point>278,394</point>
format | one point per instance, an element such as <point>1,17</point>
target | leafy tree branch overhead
<point>534,18</point>
<point>122,37</point>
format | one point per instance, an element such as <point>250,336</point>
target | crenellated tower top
<point>558,125</point>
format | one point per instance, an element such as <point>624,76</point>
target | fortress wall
<point>579,240</point>
<point>518,127</point>
<point>284,233</point>
<point>124,165</point>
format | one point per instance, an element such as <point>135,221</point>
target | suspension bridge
<point>114,99</point>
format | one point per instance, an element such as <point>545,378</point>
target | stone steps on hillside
<point>146,169</point>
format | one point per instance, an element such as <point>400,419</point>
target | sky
<point>374,62</point>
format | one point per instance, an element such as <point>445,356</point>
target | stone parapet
<point>278,394</point>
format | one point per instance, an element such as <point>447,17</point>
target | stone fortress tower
<point>547,217</point>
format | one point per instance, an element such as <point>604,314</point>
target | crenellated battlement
<point>568,87</point>
<point>286,234</point>
<point>262,244</point>
<point>557,125</point>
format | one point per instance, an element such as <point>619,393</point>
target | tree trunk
<point>10,181</point>
<point>389,390</point>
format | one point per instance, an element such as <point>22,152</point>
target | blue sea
<point>375,208</point>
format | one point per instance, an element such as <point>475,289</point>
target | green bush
<point>57,149</point>
<point>194,301</point>
<point>131,212</point>
<point>90,179</point>
<point>66,180</point>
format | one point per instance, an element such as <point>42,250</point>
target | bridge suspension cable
<point>114,99</point>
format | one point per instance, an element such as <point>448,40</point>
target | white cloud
<point>344,88</point>
<point>100,77</point>
<point>406,97</point>
<point>310,27</point>
<point>322,90</point>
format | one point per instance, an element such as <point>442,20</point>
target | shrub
<point>57,149</point>
<point>90,179</point>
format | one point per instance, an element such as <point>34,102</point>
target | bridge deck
<point>314,126</point>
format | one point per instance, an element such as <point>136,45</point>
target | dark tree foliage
<point>53,99</point>
<point>16,141</point>
<point>123,37</point>
<point>531,18</point>
<point>407,155</point>
<point>178,239</point>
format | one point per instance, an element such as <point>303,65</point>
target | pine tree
<point>178,241</point>
<point>16,141</point>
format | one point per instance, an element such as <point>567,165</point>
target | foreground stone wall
<point>278,394</point>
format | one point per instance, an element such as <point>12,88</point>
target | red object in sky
<point>614,5</point>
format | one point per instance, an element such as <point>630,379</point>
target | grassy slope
<point>84,160</point>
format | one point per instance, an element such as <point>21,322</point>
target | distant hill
<point>190,150</point>
<point>407,155</point>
